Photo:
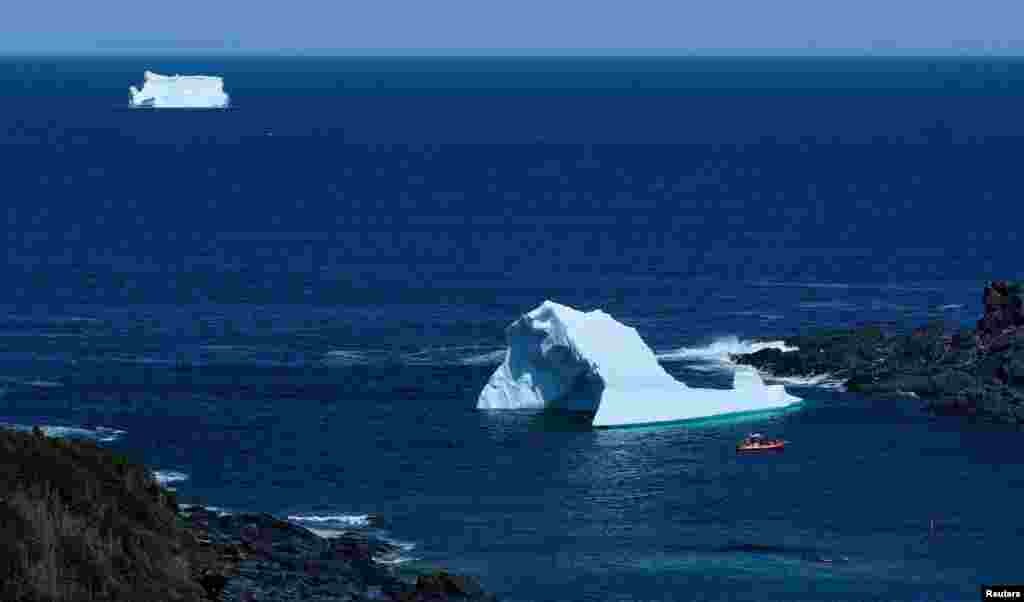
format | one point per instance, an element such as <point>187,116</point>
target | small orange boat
<point>758,442</point>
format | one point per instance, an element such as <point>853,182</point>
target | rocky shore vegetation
<point>81,523</point>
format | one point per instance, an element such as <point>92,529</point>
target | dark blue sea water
<point>291,306</point>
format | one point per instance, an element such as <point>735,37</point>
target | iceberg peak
<point>560,357</point>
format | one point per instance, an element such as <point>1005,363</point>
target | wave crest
<point>101,434</point>
<point>165,477</point>
<point>720,349</point>
<point>347,520</point>
<point>821,381</point>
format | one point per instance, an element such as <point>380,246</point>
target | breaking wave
<point>714,357</point>
<point>822,381</point>
<point>166,477</point>
<point>398,556</point>
<point>395,559</point>
<point>720,349</point>
<point>100,434</point>
<point>337,525</point>
<point>343,520</point>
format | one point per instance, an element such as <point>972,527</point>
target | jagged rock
<point>968,372</point>
<point>274,560</point>
<point>1003,310</point>
<point>100,521</point>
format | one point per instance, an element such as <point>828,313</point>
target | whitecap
<point>821,381</point>
<point>455,355</point>
<point>347,357</point>
<point>405,546</point>
<point>327,533</point>
<point>100,434</point>
<point>348,520</point>
<point>950,306</point>
<point>399,555</point>
<point>165,477</point>
<point>720,349</point>
<point>395,560</point>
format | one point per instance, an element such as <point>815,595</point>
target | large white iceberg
<point>559,357</point>
<point>180,92</point>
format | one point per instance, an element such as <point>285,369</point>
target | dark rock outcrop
<point>78,522</point>
<point>81,523</point>
<point>1003,311</point>
<point>978,373</point>
<point>266,559</point>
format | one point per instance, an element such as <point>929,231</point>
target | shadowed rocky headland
<point>976,372</point>
<point>81,523</point>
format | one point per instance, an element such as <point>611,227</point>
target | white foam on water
<point>348,520</point>
<point>720,349</point>
<point>400,555</point>
<point>455,355</point>
<point>396,560</point>
<point>165,477</point>
<point>101,434</point>
<point>405,546</point>
<point>822,381</point>
<point>346,357</point>
<point>327,533</point>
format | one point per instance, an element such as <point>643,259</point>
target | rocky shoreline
<point>82,523</point>
<point>257,557</point>
<point>975,372</point>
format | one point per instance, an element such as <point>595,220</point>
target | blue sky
<point>522,26</point>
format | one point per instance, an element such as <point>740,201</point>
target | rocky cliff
<point>80,523</point>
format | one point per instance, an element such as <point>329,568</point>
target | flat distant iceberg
<point>180,92</point>
<point>559,357</point>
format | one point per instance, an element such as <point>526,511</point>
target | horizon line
<point>488,53</point>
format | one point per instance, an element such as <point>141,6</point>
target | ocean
<point>291,306</point>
